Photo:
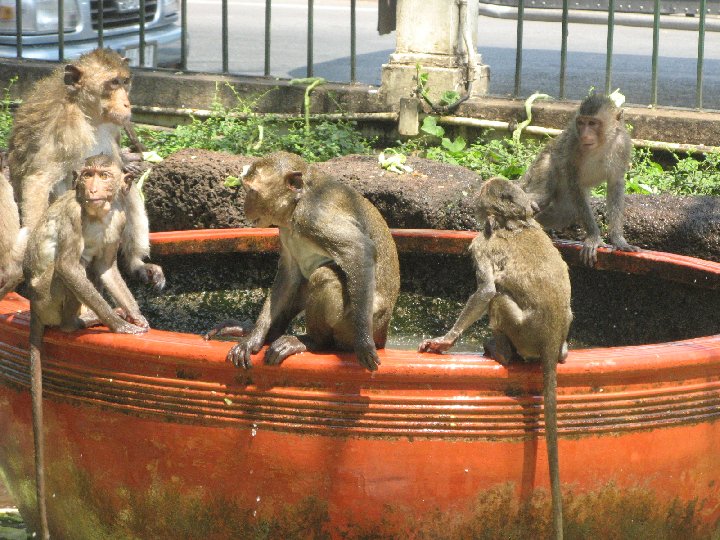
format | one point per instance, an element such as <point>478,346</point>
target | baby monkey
<point>523,284</point>
<point>76,240</point>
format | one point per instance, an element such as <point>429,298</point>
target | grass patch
<point>239,129</point>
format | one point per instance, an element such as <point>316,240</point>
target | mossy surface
<point>610,308</point>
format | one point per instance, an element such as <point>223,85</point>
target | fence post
<point>433,34</point>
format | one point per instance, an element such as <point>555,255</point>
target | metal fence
<point>686,14</point>
<point>697,9</point>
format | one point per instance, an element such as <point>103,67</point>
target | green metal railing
<point>611,23</point>
<point>522,15</point>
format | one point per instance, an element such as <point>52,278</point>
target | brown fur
<point>75,237</point>
<point>76,112</point>
<point>594,148</point>
<point>10,226</point>
<point>523,285</point>
<point>338,263</point>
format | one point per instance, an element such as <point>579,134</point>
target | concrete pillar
<point>431,33</point>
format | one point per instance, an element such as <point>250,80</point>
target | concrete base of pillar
<point>399,77</point>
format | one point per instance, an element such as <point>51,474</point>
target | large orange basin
<point>156,436</point>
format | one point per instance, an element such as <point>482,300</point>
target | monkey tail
<point>36,334</point>
<point>550,360</point>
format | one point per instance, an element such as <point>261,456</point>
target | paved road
<point>496,43</point>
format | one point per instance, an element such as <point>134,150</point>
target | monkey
<point>338,263</point>
<point>10,238</point>
<point>524,286</point>
<point>76,112</point>
<point>594,148</point>
<point>78,235</point>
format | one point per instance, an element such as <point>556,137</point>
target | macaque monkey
<point>78,236</point>
<point>78,111</point>
<point>594,148</point>
<point>10,249</point>
<point>523,285</point>
<point>338,263</point>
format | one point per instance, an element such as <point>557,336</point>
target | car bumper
<point>163,46</point>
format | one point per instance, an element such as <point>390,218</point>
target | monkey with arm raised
<point>79,234</point>
<point>593,149</point>
<point>523,285</point>
<point>338,263</point>
<point>74,113</point>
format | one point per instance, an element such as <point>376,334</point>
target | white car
<point>40,35</point>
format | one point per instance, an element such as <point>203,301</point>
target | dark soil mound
<point>187,191</point>
<point>434,196</point>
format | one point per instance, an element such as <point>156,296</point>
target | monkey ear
<point>620,115</point>
<point>75,177</point>
<point>491,224</point>
<point>128,180</point>
<point>73,74</point>
<point>125,60</point>
<point>294,180</point>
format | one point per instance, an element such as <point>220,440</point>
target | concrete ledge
<point>169,89</point>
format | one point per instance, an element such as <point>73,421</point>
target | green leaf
<point>454,147</point>
<point>448,97</point>
<point>232,181</point>
<point>512,171</point>
<point>430,126</point>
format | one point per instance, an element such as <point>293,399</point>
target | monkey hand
<point>127,328</point>
<point>436,345</point>
<point>239,355</point>
<point>228,327</point>
<point>588,252</point>
<point>367,355</point>
<point>283,347</point>
<point>621,244</point>
<point>152,274</point>
<point>137,319</point>
<point>133,164</point>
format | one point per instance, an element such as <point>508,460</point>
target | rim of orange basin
<point>695,358</point>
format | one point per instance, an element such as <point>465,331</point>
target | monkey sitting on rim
<point>524,286</point>
<point>74,113</point>
<point>594,148</point>
<point>78,235</point>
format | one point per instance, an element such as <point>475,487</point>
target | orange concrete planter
<point>157,437</point>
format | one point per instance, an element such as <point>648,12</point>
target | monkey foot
<point>283,347</point>
<point>500,354</point>
<point>229,327</point>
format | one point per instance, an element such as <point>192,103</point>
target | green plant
<point>449,100</point>
<point>6,117</point>
<point>312,83</point>
<point>452,149</point>
<point>528,112</point>
<point>241,130</point>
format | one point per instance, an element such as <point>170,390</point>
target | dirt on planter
<point>187,191</point>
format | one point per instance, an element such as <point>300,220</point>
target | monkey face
<point>115,99</point>
<point>589,132</point>
<point>96,189</point>
<point>270,196</point>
